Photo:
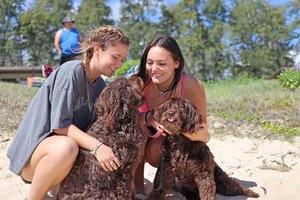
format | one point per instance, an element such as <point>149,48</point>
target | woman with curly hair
<point>47,141</point>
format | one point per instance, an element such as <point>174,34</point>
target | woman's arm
<point>202,135</point>
<point>56,42</point>
<point>144,118</point>
<point>103,153</point>
<point>194,91</point>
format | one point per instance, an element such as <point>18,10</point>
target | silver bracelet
<point>93,151</point>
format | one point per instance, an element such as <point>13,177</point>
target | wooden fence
<point>19,73</point>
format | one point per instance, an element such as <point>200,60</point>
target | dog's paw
<point>140,197</point>
<point>174,196</point>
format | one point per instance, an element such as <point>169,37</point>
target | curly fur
<point>117,126</point>
<point>191,162</point>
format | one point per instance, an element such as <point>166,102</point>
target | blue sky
<point>278,2</point>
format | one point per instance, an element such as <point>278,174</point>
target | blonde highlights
<point>104,37</point>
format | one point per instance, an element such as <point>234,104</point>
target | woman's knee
<point>152,152</point>
<point>60,150</point>
<point>66,148</point>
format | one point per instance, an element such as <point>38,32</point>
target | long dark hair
<point>169,44</point>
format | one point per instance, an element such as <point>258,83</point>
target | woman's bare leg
<point>50,163</point>
<point>139,178</point>
<point>152,152</point>
<point>152,156</point>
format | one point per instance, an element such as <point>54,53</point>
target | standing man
<point>67,40</point>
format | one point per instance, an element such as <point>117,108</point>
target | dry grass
<point>242,107</point>
<point>14,99</point>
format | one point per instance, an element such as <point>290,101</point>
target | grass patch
<point>14,99</point>
<point>241,107</point>
<point>259,103</point>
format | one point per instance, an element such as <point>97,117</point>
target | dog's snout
<point>172,114</point>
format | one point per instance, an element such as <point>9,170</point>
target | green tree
<point>259,37</point>
<point>58,9</point>
<point>293,10</point>
<point>201,29</point>
<point>190,33</point>
<point>10,53</point>
<point>167,22</point>
<point>38,26</point>
<point>136,24</point>
<point>215,15</point>
<point>93,12</point>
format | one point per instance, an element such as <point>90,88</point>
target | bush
<point>125,66</point>
<point>290,79</point>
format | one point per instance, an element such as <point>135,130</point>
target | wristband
<point>93,151</point>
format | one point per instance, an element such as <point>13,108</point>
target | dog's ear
<point>135,91</point>
<point>192,117</point>
<point>125,97</point>
<point>138,82</point>
<point>156,113</point>
<point>110,102</point>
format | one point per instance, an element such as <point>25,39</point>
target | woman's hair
<point>169,44</point>
<point>104,37</point>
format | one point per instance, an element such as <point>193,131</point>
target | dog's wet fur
<point>191,162</point>
<point>117,126</point>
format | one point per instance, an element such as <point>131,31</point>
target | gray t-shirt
<point>61,101</point>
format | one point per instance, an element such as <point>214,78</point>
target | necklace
<point>162,91</point>
<point>89,102</point>
<point>87,74</point>
<point>88,95</point>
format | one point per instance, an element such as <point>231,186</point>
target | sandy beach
<point>271,168</point>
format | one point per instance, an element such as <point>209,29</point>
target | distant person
<point>67,40</point>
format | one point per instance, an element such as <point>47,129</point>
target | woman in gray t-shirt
<point>47,141</point>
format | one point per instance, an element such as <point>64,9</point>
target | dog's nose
<point>171,114</point>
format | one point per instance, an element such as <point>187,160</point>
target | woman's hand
<point>201,135</point>
<point>107,158</point>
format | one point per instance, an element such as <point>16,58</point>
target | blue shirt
<point>69,41</point>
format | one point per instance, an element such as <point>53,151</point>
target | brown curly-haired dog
<point>116,125</point>
<point>191,162</point>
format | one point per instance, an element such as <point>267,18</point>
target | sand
<point>271,168</point>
